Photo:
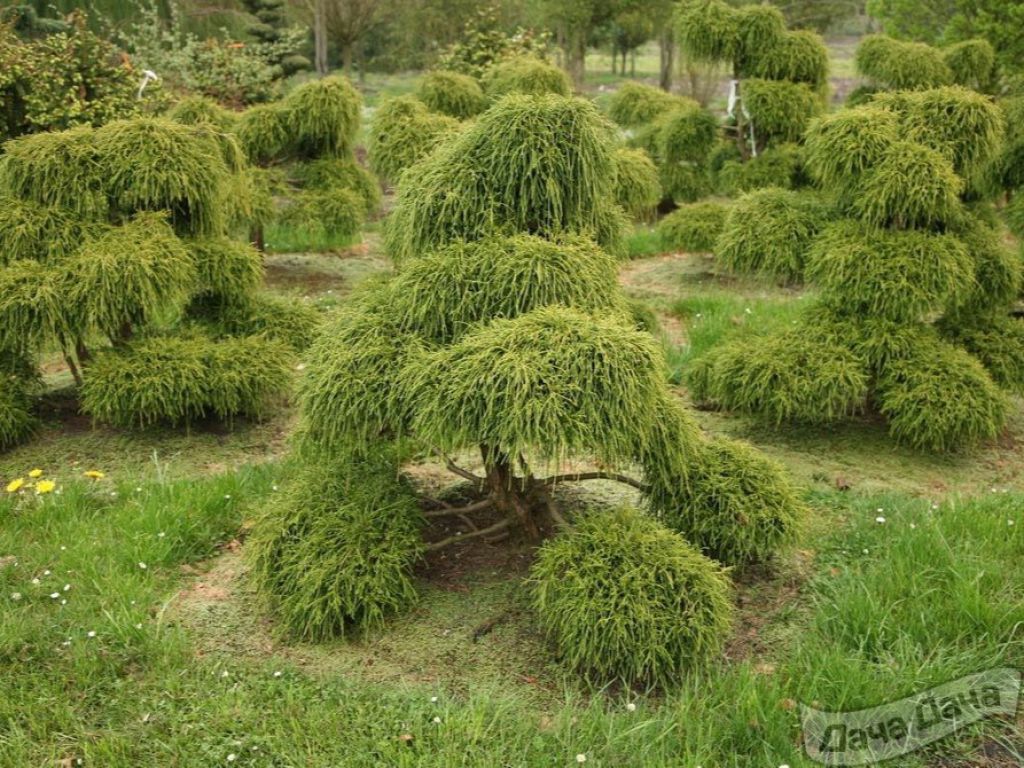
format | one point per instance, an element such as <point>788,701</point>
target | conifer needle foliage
<point>402,132</point>
<point>915,282</point>
<point>504,331</point>
<point>694,228</point>
<point>525,75</point>
<point>453,94</point>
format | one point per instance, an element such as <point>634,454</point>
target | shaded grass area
<point>879,610</point>
<point>287,238</point>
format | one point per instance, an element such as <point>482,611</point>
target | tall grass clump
<point>623,598</point>
<point>915,284</point>
<point>402,132</point>
<point>504,333</point>
<point>453,94</point>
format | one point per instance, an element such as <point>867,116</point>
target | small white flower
<point>783,766</point>
<point>880,509</point>
<point>437,720</point>
<point>67,587</point>
<point>433,699</point>
<point>15,595</point>
<point>46,573</point>
<point>143,566</point>
<point>63,548</point>
<point>913,526</point>
<point>138,626</point>
<point>161,535</point>
<point>138,490</point>
<point>113,493</point>
<point>232,757</point>
<point>273,487</point>
<point>90,633</point>
<point>879,519</point>
<point>35,582</point>
<point>227,495</point>
<point>1009,522</point>
<point>224,673</point>
<point>66,643</point>
<point>581,758</point>
<point>864,551</point>
<point>631,707</point>
<point>277,674</point>
<point>747,310</point>
<point>54,595</point>
<point>63,602</point>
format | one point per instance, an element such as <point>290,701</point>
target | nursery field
<point>153,651</point>
<point>516,412</point>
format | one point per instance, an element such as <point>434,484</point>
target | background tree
<point>271,27</point>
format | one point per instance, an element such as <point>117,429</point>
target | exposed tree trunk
<point>667,55</point>
<point>510,493</point>
<point>256,238</point>
<point>575,56</point>
<point>320,36</point>
<point>346,58</point>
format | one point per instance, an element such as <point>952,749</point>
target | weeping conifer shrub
<point>637,189</point>
<point>512,169</point>
<point>195,110</point>
<point>625,599</point>
<point>452,94</point>
<point>901,65</point>
<point>680,140</point>
<point>915,282</point>
<point>17,420</point>
<point>769,231</point>
<point>402,132</point>
<point>513,340</point>
<point>525,75</point>
<point>693,228</point>
<point>334,554</point>
<point>113,278</point>
<point>781,166</point>
<point>311,135</point>
<point>782,75</point>
<point>634,105</point>
<point>973,64</point>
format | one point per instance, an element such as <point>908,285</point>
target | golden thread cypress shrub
<point>623,598</point>
<point>972,62</point>
<point>781,166</point>
<point>322,117</point>
<point>525,75</point>
<point>453,94</point>
<point>694,228</point>
<point>16,419</point>
<point>780,107</point>
<point>907,269</point>
<point>194,110</point>
<point>402,132</point>
<point>900,65</point>
<point>637,188</point>
<point>634,105</point>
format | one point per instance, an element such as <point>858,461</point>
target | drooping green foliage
<point>29,230</point>
<point>694,228</point>
<point>780,108</point>
<point>195,110</point>
<point>769,231</point>
<point>679,141</point>
<point>736,505</point>
<point>335,552</point>
<point>909,255</point>
<point>634,105</point>
<point>263,132</point>
<point>708,30</point>
<point>637,188</point>
<point>510,170</point>
<point>347,174</point>
<point>799,56</point>
<point>322,117</point>
<point>623,598</point>
<point>293,323</point>
<point>972,62</point>
<point>453,94</point>
<point>33,309</point>
<point>331,211</point>
<point>16,418</point>
<point>183,379</point>
<point>227,271</point>
<point>901,65</point>
<point>780,166</point>
<point>525,75</point>
<point>402,132</point>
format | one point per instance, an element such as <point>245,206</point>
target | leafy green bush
<point>998,270</point>
<point>228,271</point>
<point>634,105</point>
<point>779,166</point>
<point>510,170</point>
<point>901,65</point>
<point>16,418</point>
<point>679,141</point>
<point>911,186</point>
<point>940,399</point>
<point>263,132</point>
<point>525,75</point>
<point>336,550</point>
<point>769,232</point>
<point>337,173</point>
<point>195,110</point>
<point>323,212</point>
<point>694,228</point>
<point>796,376</point>
<point>708,30</point>
<point>637,188</point>
<point>290,322</point>
<point>402,132</point>
<point>180,380</point>
<point>452,94</point>
<point>33,306</point>
<point>842,146</point>
<point>29,230</point>
<point>623,598</point>
<point>799,56</point>
<point>900,275</point>
<point>736,504</point>
<point>997,344</point>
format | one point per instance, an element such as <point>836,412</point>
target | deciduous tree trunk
<point>667,55</point>
<point>320,36</point>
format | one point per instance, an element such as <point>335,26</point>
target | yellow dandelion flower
<point>45,486</point>
<point>15,485</point>
<point>35,473</point>
<point>95,474</point>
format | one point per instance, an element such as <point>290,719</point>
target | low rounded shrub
<point>16,419</point>
<point>779,166</point>
<point>180,380</point>
<point>758,28</point>
<point>940,398</point>
<point>263,132</point>
<point>289,321</point>
<point>195,110</point>
<point>901,66</point>
<point>684,182</point>
<point>452,94</point>
<point>335,552</point>
<point>341,173</point>
<point>800,56</point>
<point>625,599</point>
<point>634,105</point>
<point>840,147</point>
<point>34,310</point>
<point>780,110</point>
<point>707,30</point>
<point>911,186</point>
<point>685,134</point>
<point>402,132</point>
<point>736,504</point>
<point>227,270</point>
<point>900,275</point>
<point>693,228</point>
<point>998,344</point>
<point>637,188</point>
<point>29,230</point>
<point>770,231</point>
<point>798,375</point>
<point>525,75</point>
<point>331,211</point>
<point>972,62</point>
<point>322,117</point>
